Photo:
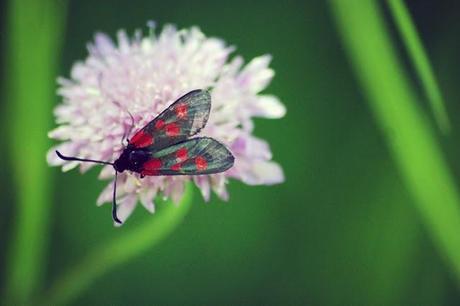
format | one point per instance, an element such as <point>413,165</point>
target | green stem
<point>118,251</point>
<point>420,61</point>
<point>33,47</point>
<point>407,131</point>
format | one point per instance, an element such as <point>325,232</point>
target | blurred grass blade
<point>407,131</point>
<point>420,61</point>
<point>118,251</point>
<point>34,36</point>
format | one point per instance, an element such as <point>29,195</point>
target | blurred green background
<point>350,226</point>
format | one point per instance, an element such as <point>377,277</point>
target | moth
<point>164,146</point>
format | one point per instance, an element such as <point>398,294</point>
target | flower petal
<point>269,107</point>
<point>103,45</point>
<point>125,208</point>
<point>218,182</point>
<point>263,173</point>
<point>203,184</point>
<point>256,75</point>
<point>146,198</point>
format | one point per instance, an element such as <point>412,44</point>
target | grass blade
<point>406,129</point>
<point>420,61</point>
<point>33,46</point>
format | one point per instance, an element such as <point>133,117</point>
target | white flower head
<point>142,76</point>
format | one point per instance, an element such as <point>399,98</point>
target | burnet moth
<point>163,146</point>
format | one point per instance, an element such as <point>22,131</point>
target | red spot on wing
<point>153,164</point>
<point>182,154</point>
<point>176,167</point>
<point>172,129</point>
<point>141,139</point>
<point>159,124</point>
<point>181,111</point>
<point>149,172</point>
<point>151,167</point>
<point>201,163</point>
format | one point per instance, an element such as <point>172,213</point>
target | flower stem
<point>405,127</point>
<point>34,37</point>
<point>123,248</point>
<point>420,61</point>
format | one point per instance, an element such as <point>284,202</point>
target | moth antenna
<point>82,159</point>
<point>114,203</point>
<point>117,104</point>
<point>126,134</point>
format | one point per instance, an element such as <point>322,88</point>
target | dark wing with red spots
<point>195,156</point>
<point>182,119</point>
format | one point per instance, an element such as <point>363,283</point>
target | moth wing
<point>196,156</point>
<point>181,120</point>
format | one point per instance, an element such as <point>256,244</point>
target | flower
<point>142,76</point>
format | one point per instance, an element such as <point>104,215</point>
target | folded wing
<point>195,156</point>
<point>181,120</point>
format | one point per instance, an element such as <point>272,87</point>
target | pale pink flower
<point>143,75</point>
